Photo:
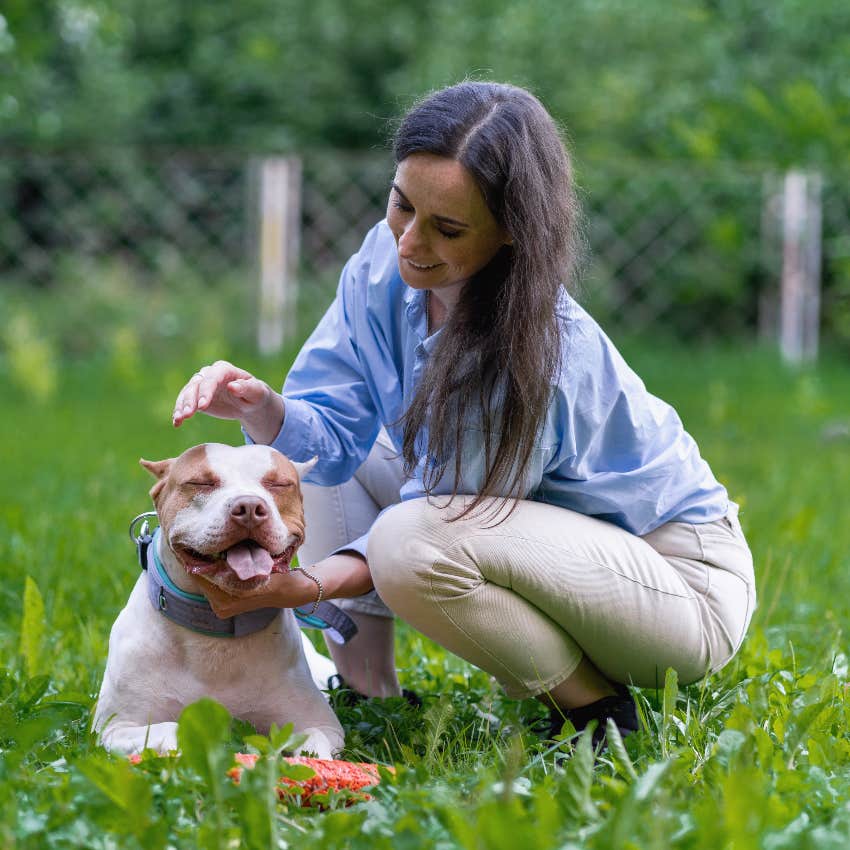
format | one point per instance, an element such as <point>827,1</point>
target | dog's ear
<point>159,469</point>
<point>303,468</point>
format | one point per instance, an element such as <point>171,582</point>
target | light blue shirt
<point>608,447</point>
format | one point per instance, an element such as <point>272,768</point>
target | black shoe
<point>620,708</point>
<point>342,694</point>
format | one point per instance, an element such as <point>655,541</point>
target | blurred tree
<point>760,80</point>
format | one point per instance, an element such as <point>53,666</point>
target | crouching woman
<point>491,470</point>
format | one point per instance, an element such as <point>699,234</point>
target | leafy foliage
<point>729,79</point>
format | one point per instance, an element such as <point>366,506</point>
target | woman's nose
<point>410,240</point>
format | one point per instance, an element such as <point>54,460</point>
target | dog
<point>231,516</point>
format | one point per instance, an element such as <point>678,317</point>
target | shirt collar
<point>414,300</point>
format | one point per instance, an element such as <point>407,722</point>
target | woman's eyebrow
<point>443,218</point>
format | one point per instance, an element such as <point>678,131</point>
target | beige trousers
<point>526,599</point>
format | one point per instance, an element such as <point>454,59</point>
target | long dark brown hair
<point>500,350</point>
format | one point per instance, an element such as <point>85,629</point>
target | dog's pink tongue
<point>248,560</point>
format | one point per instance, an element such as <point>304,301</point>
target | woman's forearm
<point>343,575</point>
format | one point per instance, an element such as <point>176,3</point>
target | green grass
<point>756,756</point>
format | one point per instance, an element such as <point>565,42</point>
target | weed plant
<point>755,756</point>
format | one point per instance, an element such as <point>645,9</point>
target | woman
<point>555,525</point>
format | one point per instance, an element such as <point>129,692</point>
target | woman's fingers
<point>187,400</point>
<point>249,391</point>
<point>226,604</point>
<point>207,390</point>
<point>223,604</point>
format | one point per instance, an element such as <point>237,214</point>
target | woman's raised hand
<point>228,392</point>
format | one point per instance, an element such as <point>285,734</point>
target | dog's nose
<point>249,511</point>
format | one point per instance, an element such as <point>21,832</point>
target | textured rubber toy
<point>329,776</point>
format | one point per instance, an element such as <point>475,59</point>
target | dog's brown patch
<point>179,480</point>
<point>284,486</point>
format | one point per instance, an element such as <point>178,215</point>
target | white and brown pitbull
<point>233,516</point>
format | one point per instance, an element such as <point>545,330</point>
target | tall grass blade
<point>617,751</point>
<point>32,628</point>
<point>579,777</point>
<point>671,692</point>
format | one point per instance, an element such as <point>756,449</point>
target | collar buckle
<point>144,538</point>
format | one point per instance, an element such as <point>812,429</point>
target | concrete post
<point>279,226</point>
<point>799,313</point>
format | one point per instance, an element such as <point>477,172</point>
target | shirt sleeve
<point>329,411</point>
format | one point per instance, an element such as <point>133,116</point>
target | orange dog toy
<point>330,775</point>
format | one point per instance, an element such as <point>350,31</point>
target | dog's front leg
<point>313,717</point>
<point>125,738</point>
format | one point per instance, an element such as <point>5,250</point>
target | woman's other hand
<point>343,574</point>
<point>283,590</point>
<point>228,392</point>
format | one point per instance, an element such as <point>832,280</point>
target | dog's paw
<point>317,745</point>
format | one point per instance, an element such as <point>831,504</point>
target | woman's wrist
<point>320,588</point>
<point>341,576</point>
<point>264,424</point>
<point>302,589</point>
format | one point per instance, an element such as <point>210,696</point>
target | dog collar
<point>194,612</point>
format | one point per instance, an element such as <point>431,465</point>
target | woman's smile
<point>422,267</point>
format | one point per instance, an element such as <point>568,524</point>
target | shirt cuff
<point>358,546</point>
<point>294,431</point>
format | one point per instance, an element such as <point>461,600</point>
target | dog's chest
<point>187,666</point>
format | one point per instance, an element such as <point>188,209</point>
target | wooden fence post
<point>279,226</point>
<point>799,312</point>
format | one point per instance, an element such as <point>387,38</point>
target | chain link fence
<point>150,212</point>
<point>683,248</point>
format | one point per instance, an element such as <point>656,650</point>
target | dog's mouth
<point>247,559</point>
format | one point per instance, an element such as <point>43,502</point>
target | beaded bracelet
<point>321,590</point>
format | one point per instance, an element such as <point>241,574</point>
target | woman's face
<point>443,229</point>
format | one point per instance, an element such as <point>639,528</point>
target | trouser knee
<point>416,558</point>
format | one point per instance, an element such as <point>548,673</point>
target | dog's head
<point>231,515</point>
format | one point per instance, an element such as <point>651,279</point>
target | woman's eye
<point>399,204</point>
